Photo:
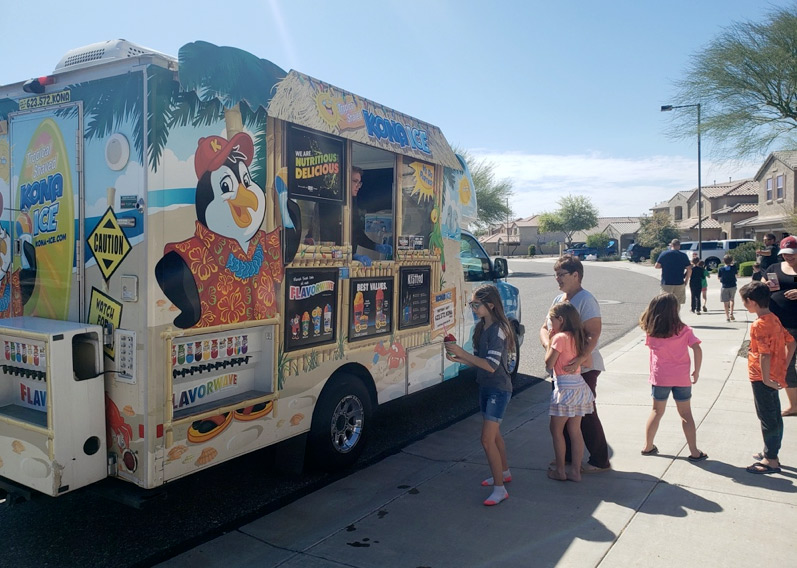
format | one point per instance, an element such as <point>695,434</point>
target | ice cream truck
<point>205,255</point>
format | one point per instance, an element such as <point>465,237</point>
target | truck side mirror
<point>500,268</point>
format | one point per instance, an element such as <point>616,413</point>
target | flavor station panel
<point>221,368</point>
<point>24,365</point>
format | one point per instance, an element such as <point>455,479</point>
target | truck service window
<point>372,207</point>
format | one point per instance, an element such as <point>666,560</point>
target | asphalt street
<point>207,504</point>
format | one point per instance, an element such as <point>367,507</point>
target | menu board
<point>310,307</point>
<point>371,304</point>
<point>315,165</point>
<point>414,293</point>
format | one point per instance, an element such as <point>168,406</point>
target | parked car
<point>713,251</point>
<point>582,251</point>
<point>637,253</point>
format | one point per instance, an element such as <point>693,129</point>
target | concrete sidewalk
<point>423,506</point>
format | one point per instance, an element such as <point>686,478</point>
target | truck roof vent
<point>103,52</point>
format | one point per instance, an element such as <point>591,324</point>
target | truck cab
<point>480,268</point>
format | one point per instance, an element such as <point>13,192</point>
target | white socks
<point>490,481</point>
<point>499,494</point>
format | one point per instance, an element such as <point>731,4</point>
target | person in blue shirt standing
<point>727,276</point>
<point>675,271</point>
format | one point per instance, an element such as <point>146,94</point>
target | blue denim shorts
<point>678,393</point>
<point>493,403</point>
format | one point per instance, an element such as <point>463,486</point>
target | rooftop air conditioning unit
<point>103,52</point>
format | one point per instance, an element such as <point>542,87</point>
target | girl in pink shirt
<point>571,398</point>
<point>669,340</point>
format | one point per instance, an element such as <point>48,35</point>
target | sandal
<point>699,458</point>
<point>651,452</point>
<point>762,468</point>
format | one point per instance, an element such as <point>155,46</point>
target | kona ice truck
<point>187,274</point>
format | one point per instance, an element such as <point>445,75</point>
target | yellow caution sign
<point>108,244</point>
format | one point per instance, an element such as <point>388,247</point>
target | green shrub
<point>609,257</point>
<point>746,268</point>
<point>654,254</point>
<point>599,241</point>
<point>745,253</point>
<point>532,250</point>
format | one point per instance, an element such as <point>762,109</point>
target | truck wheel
<point>712,263</point>
<point>340,423</point>
<point>513,360</point>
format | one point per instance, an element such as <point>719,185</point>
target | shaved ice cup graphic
<point>48,221</point>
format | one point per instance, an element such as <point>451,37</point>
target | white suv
<point>713,251</point>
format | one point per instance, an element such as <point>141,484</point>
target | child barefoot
<point>572,398</point>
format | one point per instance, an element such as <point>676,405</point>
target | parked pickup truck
<point>582,251</point>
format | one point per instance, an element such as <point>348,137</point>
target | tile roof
<point>626,228</point>
<point>758,221</point>
<point>745,186</point>
<point>786,157</point>
<point>532,221</point>
<point>738,208</point>
<point>749,187</point>
<point>684,194</point>
<point>708,223</point>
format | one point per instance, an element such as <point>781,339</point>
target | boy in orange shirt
<point>771,348</point>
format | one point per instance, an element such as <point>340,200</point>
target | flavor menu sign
<point>310,307</point>
<point>371,307</point>
<point>414,296</point>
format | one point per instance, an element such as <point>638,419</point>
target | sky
<point>560,97</point>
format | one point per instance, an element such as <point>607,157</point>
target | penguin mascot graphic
<point>229,269</point>
<point>16,286</point>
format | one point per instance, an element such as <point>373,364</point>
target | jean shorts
<point>678,393</point>
<point>493,403</point>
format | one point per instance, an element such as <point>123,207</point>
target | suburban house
<point>522,233</point>
<point>525,232</point>
<point>676,207</point>
<point>746,208</point>
<point>622,229</point>
<point>724,205</point>
<point>776,196</point>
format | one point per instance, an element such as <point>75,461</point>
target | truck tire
<point>341,421</point>
<point>712,263</point>
<point>513,360</point>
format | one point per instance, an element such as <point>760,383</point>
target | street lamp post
<point>666,108</point>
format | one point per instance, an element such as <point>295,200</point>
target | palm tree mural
<point>214,83</point>
<point>226,82</point>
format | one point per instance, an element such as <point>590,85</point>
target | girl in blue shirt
<point>493,338</point>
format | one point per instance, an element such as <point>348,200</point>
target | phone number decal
<point>45,100</point>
